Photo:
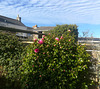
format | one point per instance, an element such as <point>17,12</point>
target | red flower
<point>35,40</point>
<point>53,69</point>
<point>44,53</point>
<point>33,65</point>
<point>57,38</point>
<point>61,37</point>
<point>54,45</point>
<point>43,35</point>
<point>42,38</point>
<point>36,50</point>
<point>40,42</point>
<point>40,76</point>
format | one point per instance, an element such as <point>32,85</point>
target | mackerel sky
<point>84,13</point>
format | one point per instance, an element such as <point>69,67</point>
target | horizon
<point>84,13</point>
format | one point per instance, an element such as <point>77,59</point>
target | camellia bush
<point>62,29</point>
<point>11,50</point>
<point>55,63</point>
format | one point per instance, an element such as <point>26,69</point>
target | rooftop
<point>44,28</point>
<point>11,21</point>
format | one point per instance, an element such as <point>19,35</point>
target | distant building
<point>40,30</point>
<point>9,23</point>
<point>15,25</point>
<point>16,21</point>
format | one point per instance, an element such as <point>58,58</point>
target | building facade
<point>16,26</point>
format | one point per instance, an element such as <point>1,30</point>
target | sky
<point>84,13</point>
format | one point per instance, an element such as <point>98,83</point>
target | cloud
<point>52,11</point>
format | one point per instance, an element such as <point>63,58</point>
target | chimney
<point>18,18</point>
<point>35,26</point>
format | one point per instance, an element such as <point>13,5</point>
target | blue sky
<point>84,13</point>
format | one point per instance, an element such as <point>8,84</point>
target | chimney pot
<point>18,18</point>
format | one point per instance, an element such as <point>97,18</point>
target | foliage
<point>11,50</point>
<point>6,83</point>
<point>50,63</point>
<point>55,63</point>
<point>62,29</point>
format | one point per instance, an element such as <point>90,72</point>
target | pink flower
<point>36,50</point>
<point>61,37</point>
<point>43,53</point>
<point>35,40</point>
<point>57,38</point>
<point>40,42</point>
<point>53,69</point>
<point>69,40</point>
<point>43,35</point>
<point>40,76</point>
<point>42,38</point>
<point>54,45</point>
<point>49,33</point>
